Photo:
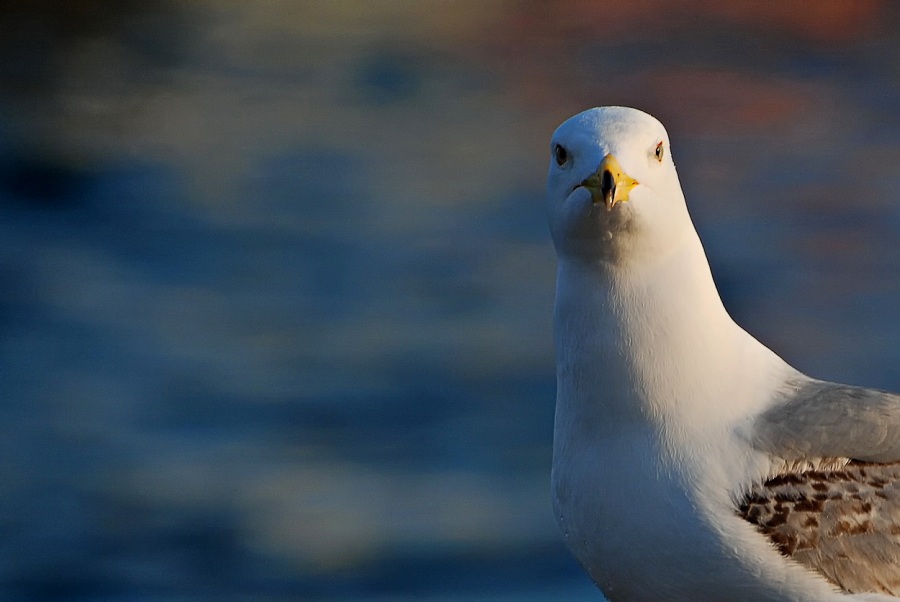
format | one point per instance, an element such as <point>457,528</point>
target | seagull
<point>690,462</point>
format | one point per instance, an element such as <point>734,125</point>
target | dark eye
<point>659,152</point>
<point>561,154</point>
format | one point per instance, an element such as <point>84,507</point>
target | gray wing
<point>843,524</point>
<point>818,419</point>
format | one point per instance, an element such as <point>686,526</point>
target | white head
<point>612,190</point>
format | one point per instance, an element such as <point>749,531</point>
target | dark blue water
<point>275,281</point>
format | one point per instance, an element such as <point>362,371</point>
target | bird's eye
<point>658,153</point>
<point>561,154</point>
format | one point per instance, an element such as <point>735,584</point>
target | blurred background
<point>276,283</point>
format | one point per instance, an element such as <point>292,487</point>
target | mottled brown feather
<point>844,524</point>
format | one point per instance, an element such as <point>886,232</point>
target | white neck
<point>663,331</point>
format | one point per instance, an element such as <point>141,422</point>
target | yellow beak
<point>609,184</point>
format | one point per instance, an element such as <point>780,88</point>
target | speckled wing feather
<point>842,519</point>
<point>844,524</point>
<point>818,419</point>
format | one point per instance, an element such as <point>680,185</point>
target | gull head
<point>612,191</point>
